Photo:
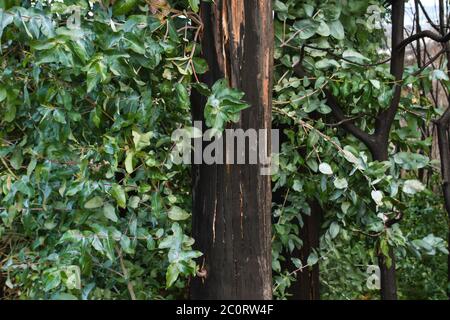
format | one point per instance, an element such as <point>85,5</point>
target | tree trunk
<point>444,151</point>
<point>232,203</point>
<point>307,286</point>
<point>443,139</point>
<point>383,124</point>
<point>388,278</point>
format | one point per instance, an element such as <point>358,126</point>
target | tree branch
<point>423,34</point>
<point>346,123</point>
<point>427,16</point>
<point>384,122</point>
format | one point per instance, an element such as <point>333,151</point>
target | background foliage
<point>91,206</point>
<point>343,47</point>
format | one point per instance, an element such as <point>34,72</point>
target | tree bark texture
<point>232,203</point>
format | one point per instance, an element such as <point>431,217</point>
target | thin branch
<point>126,275</point>
<point>427,16</point>
<point>347,124</point>
<point>423,34</point>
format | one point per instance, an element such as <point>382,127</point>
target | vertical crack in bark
<point>225,39</point>
<point>241,205</point>
<point>214,222</point>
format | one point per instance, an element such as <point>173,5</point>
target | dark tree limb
<point>427,16</point>
<point>424,34</point>
<point>346,123</point>
<point>444,150</point>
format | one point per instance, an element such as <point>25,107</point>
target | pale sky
<point>430,5</point>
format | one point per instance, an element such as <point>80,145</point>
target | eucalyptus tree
<point>345,88</point>
<point>232,202</point>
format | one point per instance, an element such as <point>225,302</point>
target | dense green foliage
<point>338,44</point>
<point>91,205</point>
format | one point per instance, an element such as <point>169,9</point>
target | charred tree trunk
<point>444,151</point>
<point>232,203</point>
<point>307,286</point>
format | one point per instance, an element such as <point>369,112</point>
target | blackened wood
<point>307,286</point>
<point>232,203</point>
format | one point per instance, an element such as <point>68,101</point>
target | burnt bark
<point>307,286</point>
<point>232,203</point>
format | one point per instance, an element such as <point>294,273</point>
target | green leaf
<point>3,94</point>
<point>141,140</point>
<point>306,28</point>
<point>110,212</point>
<point>51,280</point>
<point>325,168</point>
<point>377,196</point>
<point>412,187</point>
<point>334,230</point>
<point>94,203</point>
<point>298,186</point>
<point>223,105</point>
<point>202,89</point>
<point>59,116</point>
<point>323,29</point>
<point>16,159</point>
<point>178,214</point>
<point>279,6</point>
<point>10,113</point>
<point>312,259</point>
<point>63,296</point>
<point>5,20</point>
<point>118,194</point>
<point>438,75</point>
<point>129,162</point>
<point>337,30</point>
<point>327,63</point>
<point>194,4</point>
<point>411,161</point>
<point>172,275</point>
<point>375,83</point>
<point>297,263</point>
<point>122,7</point>
<point>134,201</point>
<point>312,164</point>
<point>182,95</point>
<point>354,56</point>
<point>345,206</point>
<point>341,183</point>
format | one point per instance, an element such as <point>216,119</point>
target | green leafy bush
<point>91,206</point>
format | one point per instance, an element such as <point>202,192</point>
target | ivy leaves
<point>118,193</point>
<point>336,45</point>
<point>224,105</point>
<point>86,119</point>
<point>180,261</point>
